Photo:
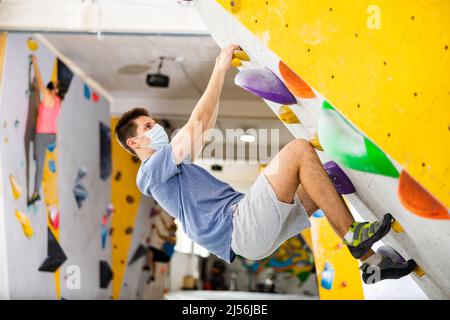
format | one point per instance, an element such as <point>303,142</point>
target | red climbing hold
<point>95,97</point>
<point>295,84</point>
<point>419,201</point>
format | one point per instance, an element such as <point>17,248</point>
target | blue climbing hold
<point>104,232</point>
<point>52,166</point>
<point>327,276</point>
<point>87,92</point>
<point>318,214</point>
<point>51,146</point>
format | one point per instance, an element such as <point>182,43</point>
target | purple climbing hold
<point>340,180</point>
<point>265,84</point>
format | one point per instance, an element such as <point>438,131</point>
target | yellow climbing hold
<point>419,271</point>
<point>32,44</point>
<point>235,5</point>
<point>288,116</point>
<point>241,55</point>
<point>314,140</point>
<point>397,227</point>
<point>15,188</point>
<point>236,62</point>
<point>25,222</point>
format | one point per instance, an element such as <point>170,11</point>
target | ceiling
<point>102,60</point>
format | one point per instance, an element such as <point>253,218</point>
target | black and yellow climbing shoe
<point>386,269</point>
<point>362,235</point>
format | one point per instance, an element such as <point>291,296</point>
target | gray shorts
<point>261,223</point>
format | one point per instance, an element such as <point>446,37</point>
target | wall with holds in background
<point>57,220</point>
<point>382,106</point>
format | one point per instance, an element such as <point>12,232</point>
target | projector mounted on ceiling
<point>158,79</point>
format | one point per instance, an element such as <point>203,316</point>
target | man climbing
<point>164,254</point>
<point>228,223</point>
<point>46,128</point>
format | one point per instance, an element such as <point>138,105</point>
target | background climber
<point>164,254</point>
<point>46,125</point>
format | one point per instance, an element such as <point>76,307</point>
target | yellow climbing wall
<point>327,247</point>
<point>50,190</point>
<point>50,199</point>
<point>126,199</point>
<point>384,65</point>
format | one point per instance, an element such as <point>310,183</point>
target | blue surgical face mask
<point>158,137</point>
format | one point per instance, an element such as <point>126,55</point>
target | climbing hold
<point>265,84</point>
<point>340,180</point>
<point>104,219</point>
<point>129,230</point>
<point>32,44</point>
<point>87,92</point>
<point>104,235</point>
<point>350,148</point>
<point>130,199</point>
<point>55,255</point>
<point>106,274</point>
<point>344,284</point>
<point>15,188</point>
<point>418,200</point>
<point>16,124</point>
<point>95,96</point>
<point>52,166</point>
<point>25,223</point>
<point>51,146</point>
<point>296,85</point>
<point>111,231</point>
<point>79,190</point>
<point>140,251</point>
<point>118,176</point>
<point>235,6</point>
<point>396,226</point>
<point>53,216</point>
<point>318,214</point>
<point>241,55</point>
<point>327,276</point>
<point>109,210</point>
<point>287,115</point>
<point>314,140</point>
<point>236,62</point>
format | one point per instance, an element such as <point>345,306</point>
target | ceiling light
<point>247,137</point>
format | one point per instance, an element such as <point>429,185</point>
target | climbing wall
<point>126,201</point>
<point>4,286</point>
<point>393,103</point>
<point>55,235</point>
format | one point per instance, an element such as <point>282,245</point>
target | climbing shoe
<point>35,197</point>
<point>362,235</point>
<point>386,269</point>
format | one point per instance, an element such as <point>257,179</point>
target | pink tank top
<point>46,120</point>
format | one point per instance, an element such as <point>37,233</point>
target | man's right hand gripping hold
<point>253,225</point>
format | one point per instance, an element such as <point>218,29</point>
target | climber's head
<point>139,134</point>
<point>53,87</point>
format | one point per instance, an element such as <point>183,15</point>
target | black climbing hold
<point>106,274</point>
<point>140,251</point>
<point>55,254</point>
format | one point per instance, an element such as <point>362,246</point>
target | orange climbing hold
<point>418,200</point>
<point>296,85</point>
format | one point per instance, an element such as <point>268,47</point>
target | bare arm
<point>37,73</point>
<point>191,138</point>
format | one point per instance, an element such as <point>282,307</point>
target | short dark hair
<point>126,126</point>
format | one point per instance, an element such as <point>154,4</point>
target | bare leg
<point>298,162</point>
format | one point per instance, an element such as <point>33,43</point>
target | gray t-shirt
<point>194,197</point>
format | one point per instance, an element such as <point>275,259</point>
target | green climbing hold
<point>349,147</point>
